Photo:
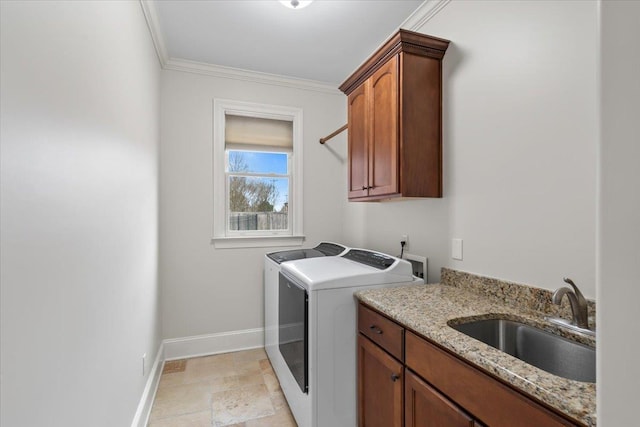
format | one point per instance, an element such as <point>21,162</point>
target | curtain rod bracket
<point>328,137</point>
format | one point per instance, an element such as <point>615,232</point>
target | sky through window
<point>267,163</point>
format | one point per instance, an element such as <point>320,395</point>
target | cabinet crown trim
<point>402,41</point>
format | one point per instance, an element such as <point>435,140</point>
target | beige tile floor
<point>232,389</point>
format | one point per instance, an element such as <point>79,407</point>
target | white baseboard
<point>203,345</point>
<point>148,395</point>
<point>182,348</point>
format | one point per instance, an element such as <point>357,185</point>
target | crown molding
<point>153,23</point>
<point>423,14</point>
<point>248,76</point>
<point>176,64</point>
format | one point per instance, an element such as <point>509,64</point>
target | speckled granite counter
<point>427,309</point>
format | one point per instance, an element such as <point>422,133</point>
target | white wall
<point>80,108</point>
<point>519,120</point>
<point>619,205</point>
<point>207,290</point>
<point>79,190</point>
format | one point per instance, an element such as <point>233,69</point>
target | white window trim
<point>220,238</point>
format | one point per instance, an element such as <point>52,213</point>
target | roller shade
<point>242,132</point>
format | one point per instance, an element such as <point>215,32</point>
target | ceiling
<point>324,42</point>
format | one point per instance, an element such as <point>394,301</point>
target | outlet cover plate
<point>419,265</point>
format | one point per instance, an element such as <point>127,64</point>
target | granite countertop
<point>426,309</point>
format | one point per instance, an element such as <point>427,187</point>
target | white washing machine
<point>272,263</point>
<point>317,331</point>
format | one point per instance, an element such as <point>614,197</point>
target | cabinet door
<point>358,144</point>
<point>478,393</point>
<point>380,381</point>
<point>426,407</point>
<point>383,150</point>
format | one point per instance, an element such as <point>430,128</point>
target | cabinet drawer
<point>384,332</point>
<point>487,399</point>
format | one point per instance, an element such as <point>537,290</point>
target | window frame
<point>222,237</point>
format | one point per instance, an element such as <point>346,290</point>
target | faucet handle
<point>575,288</point>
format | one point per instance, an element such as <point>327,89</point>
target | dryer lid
<point>346,272</point>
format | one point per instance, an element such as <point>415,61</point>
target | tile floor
<point>232,389</point>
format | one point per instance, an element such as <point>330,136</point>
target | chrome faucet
<point>577,301</point>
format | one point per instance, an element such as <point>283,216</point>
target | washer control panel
<point>372,259</point>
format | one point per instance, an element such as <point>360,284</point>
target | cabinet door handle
<point>370,187</point>
<point>375,329</point>
<point>364,187</point>
<point>395,377</point>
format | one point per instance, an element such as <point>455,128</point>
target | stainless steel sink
<point>552,353</point>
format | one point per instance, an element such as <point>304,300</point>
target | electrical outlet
<point>405,238</point>
<point>144,359</point>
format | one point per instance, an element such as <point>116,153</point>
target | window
<point>257,154</point>
<point>257,191</point>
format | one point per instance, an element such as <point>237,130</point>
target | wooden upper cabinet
<point>383,139</point>
<point>395,131</point>
<point>358,149</point>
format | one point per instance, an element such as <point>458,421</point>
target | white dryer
<point>317,331</point>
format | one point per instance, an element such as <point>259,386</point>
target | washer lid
<point>340,272</point>
<point>294,254</point>
<point>323,249</point>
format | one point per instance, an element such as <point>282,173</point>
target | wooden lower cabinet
<point>486,398</point>
<point>424,406</point>
<point>406,380</point>
<point>380,380</point>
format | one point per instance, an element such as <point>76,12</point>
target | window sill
<point>256,241</point>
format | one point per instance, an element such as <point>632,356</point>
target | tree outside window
<point>258,188</point>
